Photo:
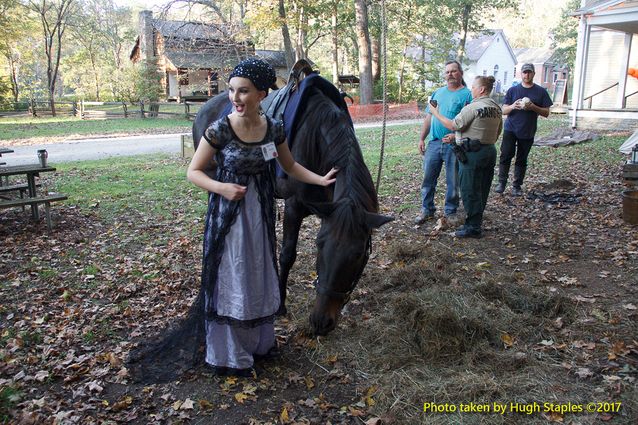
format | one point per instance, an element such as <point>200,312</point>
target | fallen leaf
<point>41,375</point>
<point>584,372</point>
<point>187,405</point>
<point>310,383</point>
<point>508,340</point>
<point>283,416</point>
<point>241,397</point>
<point>368,396</point>
<point>122,404</point>
<point>554,417</point>
<point>355,412</point>
<point>205,404</point>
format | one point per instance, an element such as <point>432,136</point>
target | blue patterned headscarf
<point>259,72</point>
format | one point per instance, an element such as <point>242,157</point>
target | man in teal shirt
<point>450,99</point>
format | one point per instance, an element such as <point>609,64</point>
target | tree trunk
<point>365,62</point>
<point>54,19</point>
<point>300,50</point>
<point>402,72</point>
<point>13,69</point>
<point>466,19</point>
<point>376,58</point>
<point>290,56</point>
<point>97,78</point>
<point>335,44</point>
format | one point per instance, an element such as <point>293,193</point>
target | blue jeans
<point>436,154</point>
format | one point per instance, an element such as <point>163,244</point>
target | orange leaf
<point>507,339</point>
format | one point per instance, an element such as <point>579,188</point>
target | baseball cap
<point>527,67</point>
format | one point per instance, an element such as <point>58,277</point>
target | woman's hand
<point>329,178</point>
<point>233,192</point>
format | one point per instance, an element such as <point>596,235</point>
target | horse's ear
<point>374,221</point>
<point>320,209</point>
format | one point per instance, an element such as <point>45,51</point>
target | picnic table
<point>30,172</point>
<point>4,150</point>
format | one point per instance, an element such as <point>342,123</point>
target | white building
<point>605,92</point>
<point>490,54</point>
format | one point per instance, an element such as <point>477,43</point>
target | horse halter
<point>344,296</point>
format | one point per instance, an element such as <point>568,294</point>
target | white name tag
<point>269,151</point>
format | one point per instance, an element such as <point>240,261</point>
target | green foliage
<point>9,397</point>
<point>566,36</point>
<point>147,83</point>
<point>5,89</point>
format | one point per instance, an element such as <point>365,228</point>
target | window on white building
<point>504,78</point>
<point>496,72</point>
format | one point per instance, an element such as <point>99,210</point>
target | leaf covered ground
<point>542,309</point>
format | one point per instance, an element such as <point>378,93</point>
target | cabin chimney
<point>146,35</point>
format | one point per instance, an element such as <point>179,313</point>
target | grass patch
<point>117,187</point>
<point>9,397</point>
<point>28,127</point>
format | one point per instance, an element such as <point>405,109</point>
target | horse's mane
<point>332,129</point>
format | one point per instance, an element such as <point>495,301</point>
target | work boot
<point>500,187</point>
<point>423,217</point>
<point>517,191</point>
<point>468,232</point>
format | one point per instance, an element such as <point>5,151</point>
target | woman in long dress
<point>239,274</point>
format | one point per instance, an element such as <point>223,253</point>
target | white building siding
<point>497,53</point>
<point>632,82</point>
<point>605,49</point>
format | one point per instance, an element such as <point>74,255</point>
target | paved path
<point>107,147</point>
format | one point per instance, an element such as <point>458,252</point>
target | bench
<point>22,187</point>
<point>46,200</point>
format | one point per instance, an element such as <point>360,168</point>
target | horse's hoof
<point>282,312</point>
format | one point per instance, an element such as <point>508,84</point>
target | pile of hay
<point>434,330</point>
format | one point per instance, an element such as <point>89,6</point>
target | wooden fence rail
<point>102,110</point>
<point>106,110</point>
<point>37,108</point>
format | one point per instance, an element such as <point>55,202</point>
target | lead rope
<point>384,32</point>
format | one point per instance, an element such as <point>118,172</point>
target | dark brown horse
<point>323,137</point>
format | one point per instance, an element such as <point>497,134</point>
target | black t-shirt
<point>520,122</point>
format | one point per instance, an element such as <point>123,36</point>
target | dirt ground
<point>542,309</point>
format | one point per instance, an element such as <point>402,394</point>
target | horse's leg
<point>294,213</point>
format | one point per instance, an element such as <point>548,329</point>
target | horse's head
<point>343,249</point>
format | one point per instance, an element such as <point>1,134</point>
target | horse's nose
<point>322,324</point>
